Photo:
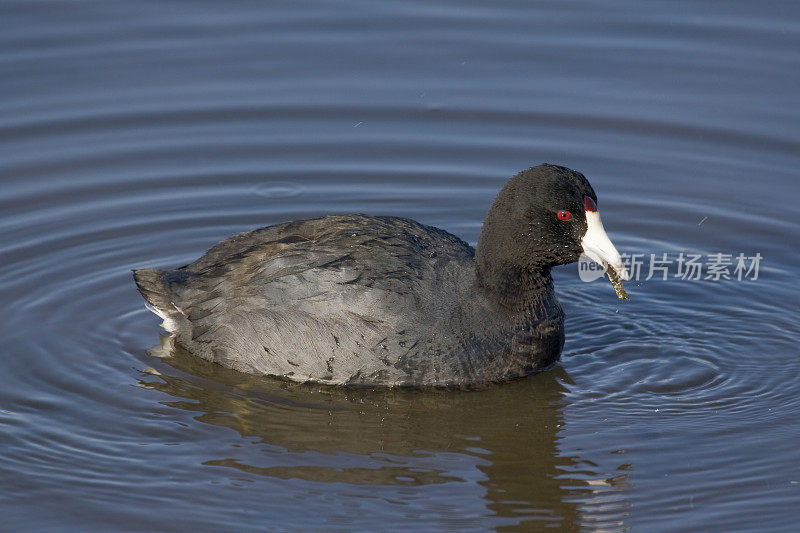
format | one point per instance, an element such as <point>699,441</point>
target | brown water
<point>140,133</point>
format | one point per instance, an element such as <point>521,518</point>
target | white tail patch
<point>168,323</point>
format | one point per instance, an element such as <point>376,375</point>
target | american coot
<point>359,299</point>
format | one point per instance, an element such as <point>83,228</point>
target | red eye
<point>564,215</point>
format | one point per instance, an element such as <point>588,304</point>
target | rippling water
<point>140,133</point>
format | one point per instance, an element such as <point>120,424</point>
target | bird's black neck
<point>512,286</point>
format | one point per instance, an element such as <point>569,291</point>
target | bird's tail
<point>150,285</point>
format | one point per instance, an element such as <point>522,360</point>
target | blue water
<point>139,134</point>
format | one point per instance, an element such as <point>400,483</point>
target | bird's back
<point>338,299</point>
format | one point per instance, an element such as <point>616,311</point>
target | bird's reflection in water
<point>501,438</point>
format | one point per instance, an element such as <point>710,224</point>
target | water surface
<point>138,134</point>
